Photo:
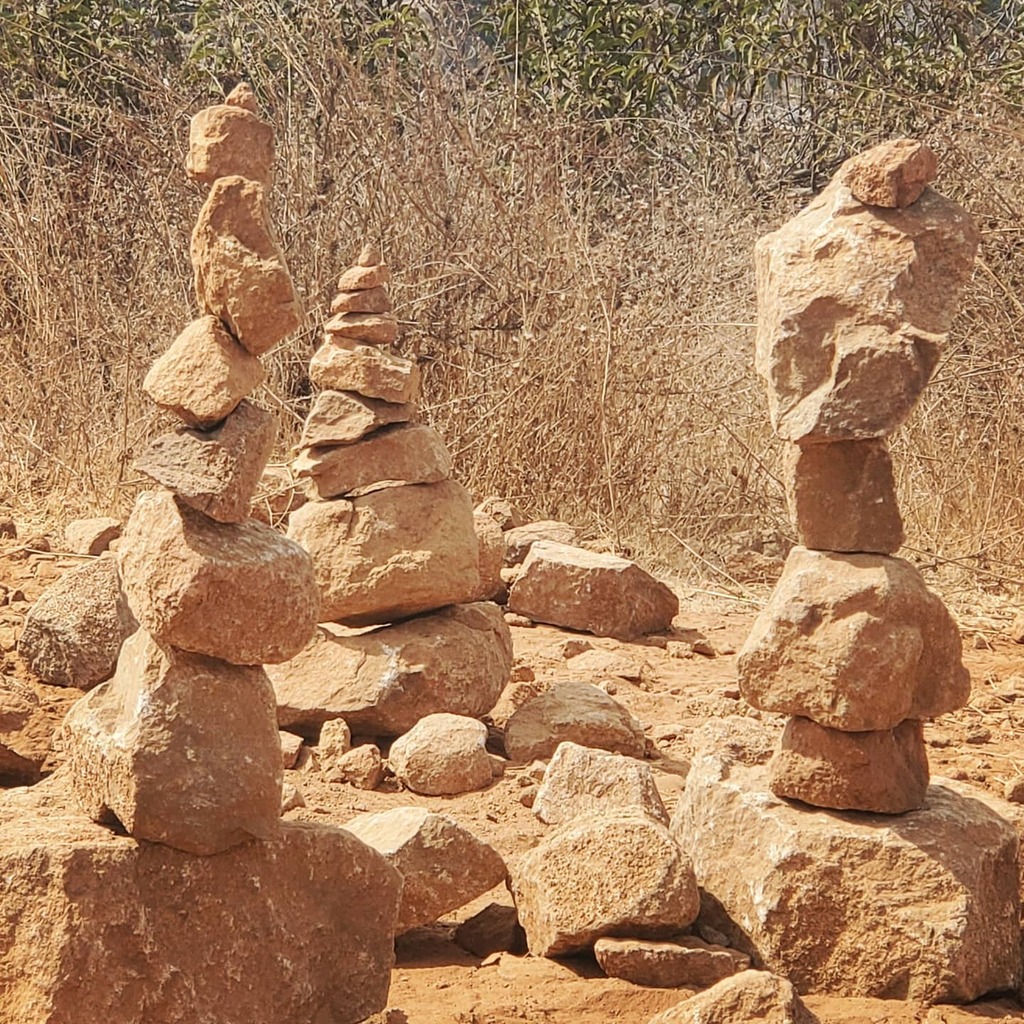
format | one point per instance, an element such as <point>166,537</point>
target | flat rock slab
<point>370,371</point>
<point>520,537</point>
<point>341,417</point>
<point>683,961</point>
<point>91,536</point>
<point>751,996</point>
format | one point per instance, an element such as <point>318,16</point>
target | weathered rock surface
<point>335,741</point>
<point>370,371</point>
<point>74,631</point>
<point>622,875</point>
<point>362,767</point>
<point>507,514</point>
<point>601,594</point>
<point>754,996</point>
<point>91,536</point>
<point>198,768</point>
<point>341,417</point>
<point>26,729</point>
<point>854,642</point>
<point>226,140</point>
<point>383,682</point>
<point>683,961</point>
<point>362,328</point>
<point>390,554</point>
<point>922,906</point>
<point>362,300</point>
<point>236,591</point>
<point>519,539</point>
<point>490,558</point>
<point>442,755</point>
<point>495,929</point>
<point>364,276</point>
<point>892,174</point>
<point>442,864</point>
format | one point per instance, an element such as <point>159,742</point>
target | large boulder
<point>442,755</point>
<point>225,140</point>
<point>749,996</point>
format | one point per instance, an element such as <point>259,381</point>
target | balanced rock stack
<point>855,296</point>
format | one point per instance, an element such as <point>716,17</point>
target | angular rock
<point>854,642</point>
<point>383,682</point>
<point>226,140</point>
<point>363,300</point>
<point>362,767</point>
<point>576,713</point>
<point>26,729</point>
<point>74,631</point>
<point>507,514</point>
<point>334,742</point>
<point>291,797</point>
<point>110,929</point>
<point>885,772</point>
<point>621,875</point>
<point>242,96</point>
<point>291,747</point>
<point>216,472</point>
<point>581,781</point>
<point>241,276</point>
<point>519,539</point>
<point>892,174</point>
<point>442,864</point>
<point>203,376</point>
<point>91,536</point>
<point>748,996</point>
<point>341,417</point>
<point>495,929</point>
<point>842,497</point>
<point>363,277</point>
<point>370,371</point>
<point>490,559</point>
<point>198,768</point>
<point>595,593</point>
<point>390,554</point>
<point>364,328</point>
<point>683,961</point>
<point>240,592</point>
<point>442,755</point>
<point>924,906</point>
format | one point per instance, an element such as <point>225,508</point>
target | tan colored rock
<point>242,96</point>
<point>442,755</point>
<point>892,174</point>
<point>620,875</point>
<point>203,375</point>
<point>91,536</point>
<point>334,742</point>
<point>369,256</point>
<point>241,276</point>
<point>885,772</point>
<point>749,996</point>
<point>228,139</point>
<point>27,725</point>
<point>341,417</point>
<point>595,593</point>
<point>842,497</point>
<point>854,642</point>
<point>291,797</point>
<point>490,558</point>
<point>361,328</point>
<point>370,371</point>
<point>110,929</point>
<point>854,303</point>
<point>365,300</point>
<point>73,632</point>
<point>924,906</point>
<point>383,682</point>
<point>392,553</point>
<point>495,929</point>
<point>363,277</point>
<point>507,514</point>
<point>362,767</point>
<point>291,748</point>
<point>683,961</point>
<point>519,539</point>
<point>443,865</point>
<point>180,748</point>
<point>216,472</point>
<point>240,592</point>
<point>583,782</point>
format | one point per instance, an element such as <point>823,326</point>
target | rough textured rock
<point>109,929</point>
<point>596,593</point>
<point>621,875</point>
<point>74,631</point>
<point>892,174</point>
<point>361,328</point>
<point>26,729</point>
<point>362,300</point>
<point>240,592</point>
<point>495,929</point>
<point>291,748</point>
<point>442,755</point>
<point>885,772</point>
<point>334,742</point>
<point>842,497</point>
<point>854,303</point>
<point>921,906</point>
<point>442,864</point>
<point>341,417</point>
<point>519,539</point>
<point>215,472</point>
<point>364,276</point>
<point>581,781</point>
<point>370,371</point>
<point>490,558</point>
<point>383,682</point>
<point>854,642</point>
<point>241,276</point>
<point>91,536</point>
<point>752,996</point>
<point>392,553</point>
<point>203,376</point>
<point>576,713</point>
<point>199,769</point>
<point>507,514</point>
<point>683,961</point>
<point>226,140</point>
<point>362,767</point>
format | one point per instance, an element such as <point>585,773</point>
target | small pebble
<point>528,795</point>
<point>980,734</point>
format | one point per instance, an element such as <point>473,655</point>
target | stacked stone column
<point>855,296</point>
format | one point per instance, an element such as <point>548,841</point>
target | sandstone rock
<point>364,300</point>
<point>842,497</point>
<point>341,417</point>
<point>363,277</point>
<point>225,140</point>
<point>683,961</point>
<point>854,303</point>
<point>241,276</point>
<point>581,781</point>
<point>507,514</point>
<point>574,712</point>
<point>519,539</point>
<point>490,558</point>
<point>370,371</point>
<point>291,797</point>
<point>26,727</point>
<point>885,772</point>
<point>204,374</point>
<point>924,906</point>
<point>369,256</point>
<point>600,594</point>
<point>291,747</point>
<point>854,642</point>
<point>383,682</point>
<point>335,741</point>
<point>621,875</point>
<point>240,592</point>
<point>242,96</point>
<point>216,472</point>
<point>495,929</point>
<point>91,536</point>
<point>74,631</point>
<point>892,174</point>
<point>198,768</point>
<point>410,453</point>
<point>365,328</point>
<point>110,929</point>
<point>748,996</point>
<point>392,553</point>
<point>362,767</point>
<point>442,755</point>
<point>442,864</point>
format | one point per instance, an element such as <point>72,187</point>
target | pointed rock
<point>363,277</point>
<point>341,417</point>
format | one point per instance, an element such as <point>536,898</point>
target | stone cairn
<point>855,296</point>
